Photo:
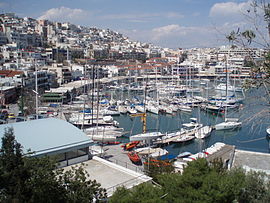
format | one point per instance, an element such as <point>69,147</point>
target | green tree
<point>153,168</point>
<point>37,179</point>
<point>258,18</point>
<point>256,188</point>
<point>144,193</point>
<point>201,182</point>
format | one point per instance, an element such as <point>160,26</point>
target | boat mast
<point>226,94</point>
<point>36,87</point>
<point>142,115</point>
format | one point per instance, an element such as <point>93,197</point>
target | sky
<point>167,23</point>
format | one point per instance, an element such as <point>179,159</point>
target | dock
<point>173,139</point>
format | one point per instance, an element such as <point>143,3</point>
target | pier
<point>174,138</point>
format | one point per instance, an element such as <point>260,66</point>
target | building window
<point>76,153</point>
<point>72,154</point>
<point>82,151</point>
<point>60,157</point>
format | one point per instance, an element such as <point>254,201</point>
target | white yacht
<point>145,136</point>
<point>152,109</point>
<point>139,108</point>
<point>122,109</point>
<point>131,110</point>
<point>229,123</point>
<point>203,132</point>
<point>102,138</point>
<point>222,87</point>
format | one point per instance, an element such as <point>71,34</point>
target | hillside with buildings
<point>60,53</point>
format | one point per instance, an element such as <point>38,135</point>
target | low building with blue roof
<point>51,136</point>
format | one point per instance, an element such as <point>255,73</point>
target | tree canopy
<point>200,182</point>
<point>38,179</point>
<point>258,35</point>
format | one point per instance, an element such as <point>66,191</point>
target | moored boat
<point>130,145</point>
<point>134,157</point>
<point>203,132</point>
<point>145,136</point>
<point>228,124</point>
<point>268,131</point>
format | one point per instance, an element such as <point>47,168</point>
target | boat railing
<point>126,165</point>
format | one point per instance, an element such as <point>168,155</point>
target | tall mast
<point>226,69</point>
<point>36,85</point>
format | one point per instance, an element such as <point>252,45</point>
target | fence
<point>127,184</point>
<point>126,165</point>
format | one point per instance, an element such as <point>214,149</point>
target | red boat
<point>130,145</point>
<point>134,157</point>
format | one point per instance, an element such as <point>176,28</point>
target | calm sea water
<point>254,115</point>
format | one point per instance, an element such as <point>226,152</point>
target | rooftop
<point>47,136</point>
<point>255,161</point>
<point>111,176</point>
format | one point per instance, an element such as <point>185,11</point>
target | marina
<point>163,133</point>
<point>110,112</point>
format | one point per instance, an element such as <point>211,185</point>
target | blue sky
<point>170,23</point>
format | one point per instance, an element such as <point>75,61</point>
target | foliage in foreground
<point>257,35</point>
<point>29,179</point>
<point>201,182</point>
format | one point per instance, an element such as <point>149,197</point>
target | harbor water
<point>253,113</point>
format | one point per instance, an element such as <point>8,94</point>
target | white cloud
<point>142,17</point>
<point>175,30</point>
<point>228,8</point>
<point>174,36</point>
<point>167,30</point>
<point>63,14</point>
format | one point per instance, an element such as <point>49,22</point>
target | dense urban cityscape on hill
<point>64,52</point>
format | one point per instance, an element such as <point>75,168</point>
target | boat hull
<point>228,125</point>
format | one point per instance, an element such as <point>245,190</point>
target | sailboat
<point>145,135</point>
<point>202,132</point>
<point>229,123</point>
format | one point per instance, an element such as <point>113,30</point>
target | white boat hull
<point>227,125</point>
<point>152,109</point>
<point>203,132</point>
<point>268,131</point>
<point>102,138</point>
<point>145,136</point>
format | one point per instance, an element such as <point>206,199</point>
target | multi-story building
<point>63,73</point>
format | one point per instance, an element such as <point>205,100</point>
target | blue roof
<point>45,136</point>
